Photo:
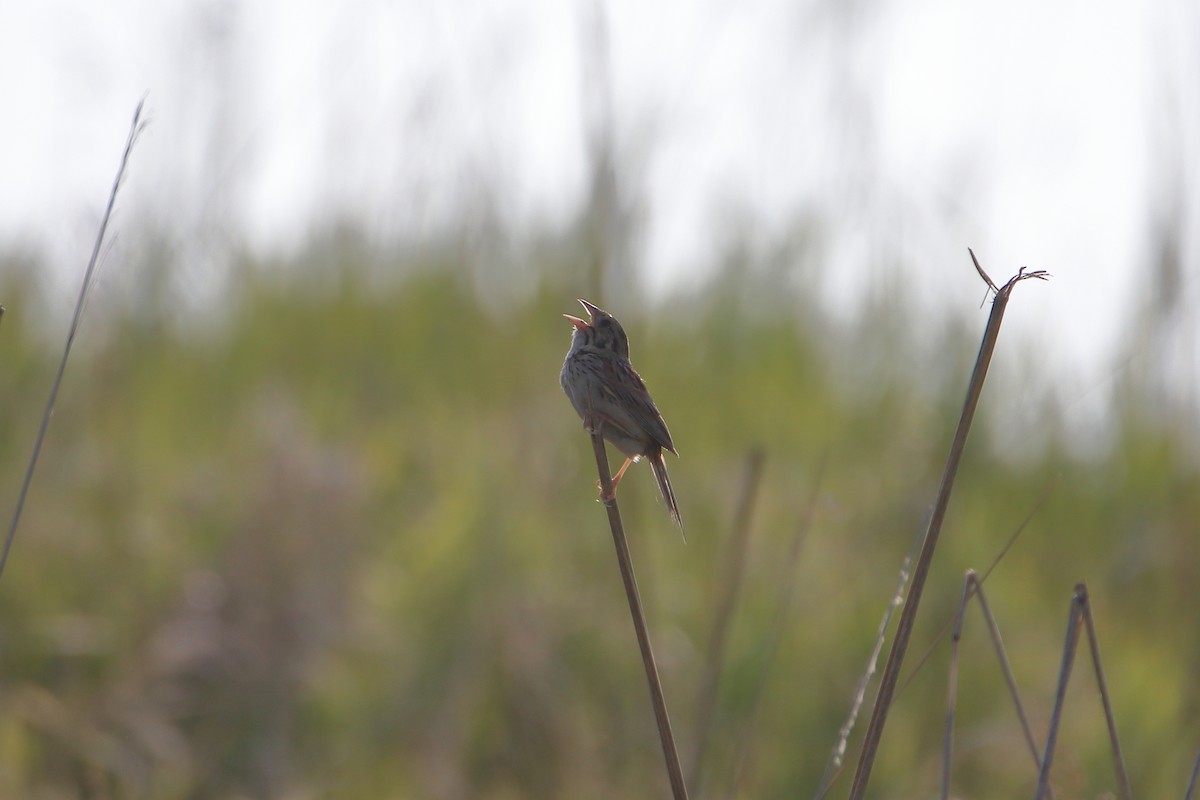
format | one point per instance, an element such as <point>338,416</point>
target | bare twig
<point>88,276</point>
<point>1105,700</point>
<point>1081,609</point>
<point>729,587</point>
<point>891,670</point>
<point>973,587</point>
<point>625,562</point>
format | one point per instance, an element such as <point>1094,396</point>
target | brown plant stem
<point>134,128</point>
<point>1081,612</point>
<point>891,670</point>
<point>625,562</point>
<point>729,587</point>
<point>973,587</point>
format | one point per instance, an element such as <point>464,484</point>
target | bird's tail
<point>659,466</point>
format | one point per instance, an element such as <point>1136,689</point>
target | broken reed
<point>891,670</point>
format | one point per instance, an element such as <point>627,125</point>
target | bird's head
<point>601,330</point>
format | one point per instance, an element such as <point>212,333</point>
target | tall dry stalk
<point>729,587</point>
<point>625,563</point>
<point>973,588</point>
<point>891,670</point>
<point>1081,612</point>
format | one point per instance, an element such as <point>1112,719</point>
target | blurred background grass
<point>340,539</point>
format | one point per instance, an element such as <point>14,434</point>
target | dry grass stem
<point>729,585</point>
<point>891,670</point>
<point>625,563</point>
<point>135,127</point>
<point>1081,610</point>
<point>973,587</point>
<point>1102,686</point>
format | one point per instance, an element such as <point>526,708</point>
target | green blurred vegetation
<point>342,541</point>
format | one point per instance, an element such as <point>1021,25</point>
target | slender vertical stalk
<point>134,128</point>
<point>729,586</point>
<point>625,562</point>
<point>1081,613</point>
<point>973,587</point>
<point>891,670</point>
<point>1060,695</point>
<point>1102,685</point>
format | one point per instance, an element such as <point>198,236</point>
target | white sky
<point>1036,131</point>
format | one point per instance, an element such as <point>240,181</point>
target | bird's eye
<point>605,323</point>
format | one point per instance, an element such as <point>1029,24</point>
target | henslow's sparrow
<point>611,397</point>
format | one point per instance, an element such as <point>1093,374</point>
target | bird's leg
<point>615,480</point>
<point>595,427</point>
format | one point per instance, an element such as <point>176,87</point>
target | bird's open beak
<point>593,311</point>
<point>582,324</point>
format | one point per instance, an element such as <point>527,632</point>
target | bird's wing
<point>632,395</point>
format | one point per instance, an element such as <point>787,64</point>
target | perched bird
<point>612,399</point>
